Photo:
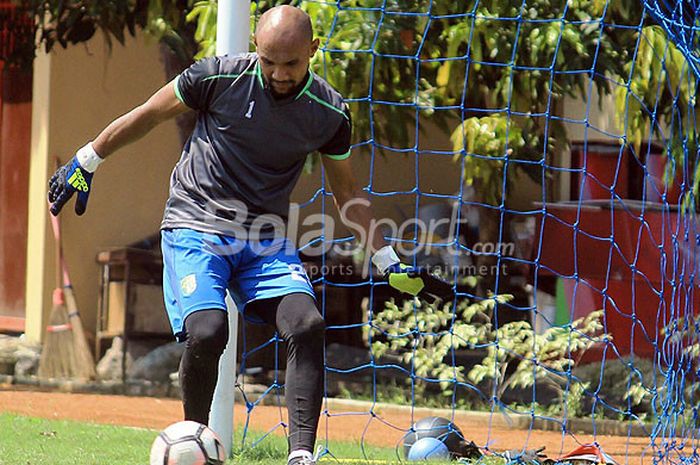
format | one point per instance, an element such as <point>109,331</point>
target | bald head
<point>285,44</point>
<point>285,23</point>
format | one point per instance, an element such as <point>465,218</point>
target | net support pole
<point>233,27</point>
<point>232,36</point>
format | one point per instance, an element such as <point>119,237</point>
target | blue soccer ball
<point>428,449</point>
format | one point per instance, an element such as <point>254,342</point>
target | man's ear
<point>314,47</point>
<point>255,41</point>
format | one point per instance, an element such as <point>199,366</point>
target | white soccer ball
<point>187,443</point>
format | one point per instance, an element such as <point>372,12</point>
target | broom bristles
<point>54,362</point>
<point>85,368</point>
<point>59,357</point>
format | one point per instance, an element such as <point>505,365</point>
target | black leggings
<point>299,323</point>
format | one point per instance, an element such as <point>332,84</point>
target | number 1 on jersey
<point>249,113</point>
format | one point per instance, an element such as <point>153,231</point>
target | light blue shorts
<point>198,268</point>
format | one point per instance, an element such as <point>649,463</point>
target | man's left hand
<point>418,282</point>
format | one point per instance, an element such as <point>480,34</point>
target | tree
<point>660,103</point>
<point>17,30</point>
<point>71,22</point>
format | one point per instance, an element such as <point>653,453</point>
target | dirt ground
<point>384,429</point>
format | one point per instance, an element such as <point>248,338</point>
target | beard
<point>287,89</point>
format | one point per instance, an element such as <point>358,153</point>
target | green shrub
<point>425,335</point>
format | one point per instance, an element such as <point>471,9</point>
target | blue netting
<point>680,21</point>
<point>560,142</point>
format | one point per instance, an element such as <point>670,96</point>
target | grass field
<point>34,441</point>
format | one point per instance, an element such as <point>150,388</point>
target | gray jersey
<point>248,149</point>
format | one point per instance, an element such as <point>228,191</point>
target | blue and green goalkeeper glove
<point>416,281</point>
<point>74,176</point>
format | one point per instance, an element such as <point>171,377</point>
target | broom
<point>57,355</point>
<point>72,358</point>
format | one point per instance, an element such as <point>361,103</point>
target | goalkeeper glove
<point>74,176</point>
<point>415,281</point>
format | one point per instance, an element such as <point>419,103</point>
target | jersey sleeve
<point>338,148</point>
<point>195,86</point>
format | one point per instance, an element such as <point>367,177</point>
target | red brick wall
<point>15,139</point>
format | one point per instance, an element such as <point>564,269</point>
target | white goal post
<point>232,36</point>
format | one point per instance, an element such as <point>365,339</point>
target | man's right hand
<point>74,176</point>
<point>66,181</point>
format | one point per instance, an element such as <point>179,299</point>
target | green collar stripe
<point>342,156</point>
<point>325,104</point>
<point>258,73</point>
<point>227,76</point>
<point>177,89</point>
<point>306,86</point>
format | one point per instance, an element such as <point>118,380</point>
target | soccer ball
<point>187,443</point>
<point>428,449</point>
<point>439,428</point>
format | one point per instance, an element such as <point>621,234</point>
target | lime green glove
<point>415,281</point>
<point>419,282</point>
<point>400,279</point>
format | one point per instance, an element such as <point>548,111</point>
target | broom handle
<point>62,267</point>
<point>56,226</point>
<point>63,279</point>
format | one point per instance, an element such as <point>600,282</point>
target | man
<point>259,115</point>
